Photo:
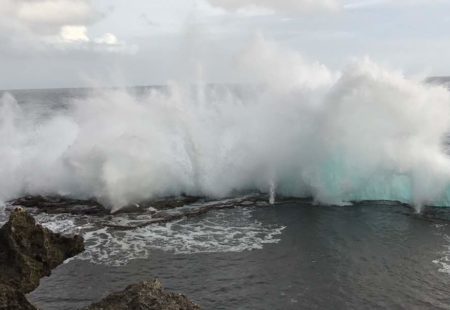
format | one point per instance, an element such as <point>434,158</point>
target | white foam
<point>444,261</point>
<point>61,223</point>
<point>232,230</point>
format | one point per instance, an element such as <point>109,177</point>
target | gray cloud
<point>284,6</point>
<point>29,26</point>
<point>45,17</point>
<point>365,4</point>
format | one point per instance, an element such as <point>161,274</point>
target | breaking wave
<point>298,129</point>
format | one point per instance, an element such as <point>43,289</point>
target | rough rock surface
<point>13,299</point>
<point>148,295</point>
<point>60,204</point>
<point>172,202</point>
<point>30,251</point>
<point>154,205</point>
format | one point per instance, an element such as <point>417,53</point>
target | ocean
<point>285,256</point>
<point>354,245</point>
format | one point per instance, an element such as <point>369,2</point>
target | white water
<point>364,133</point>
<point>272,193</point>
<point>444,260</point>
<point>211,234</point>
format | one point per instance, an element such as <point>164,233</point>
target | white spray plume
<point>366,133</point>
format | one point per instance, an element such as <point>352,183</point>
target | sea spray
<point>364,133</point>
<point>272,193</point>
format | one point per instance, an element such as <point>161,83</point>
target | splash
<point>361,134</point>
<point>272,193</point>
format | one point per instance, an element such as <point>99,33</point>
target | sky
<point>81,43</point>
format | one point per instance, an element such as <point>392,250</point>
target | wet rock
<point>30,251</point>
<point>187,210</point>
<point>171,202</point>
<point>148,295</point>
<point>11,298</point>
<point>152,206</point>
<point>61,204</point>
<point>137,208</point>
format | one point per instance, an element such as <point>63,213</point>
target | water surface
<point>292,256</point>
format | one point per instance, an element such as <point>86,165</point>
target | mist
<point>296,127</point>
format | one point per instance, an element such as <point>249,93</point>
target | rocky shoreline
<point>30,252</point>
<point>157,211</point>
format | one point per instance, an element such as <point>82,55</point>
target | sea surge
<point>296,128</point>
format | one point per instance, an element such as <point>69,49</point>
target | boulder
<point>148,295</point>
<point>30,251</point>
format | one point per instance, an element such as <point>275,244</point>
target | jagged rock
<point>11,298</point>
<point>30,251</point>
<point>148,295</point>
<point>59,204</point>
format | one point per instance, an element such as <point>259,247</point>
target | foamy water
<point>444,260</point>
<point>273,257</point>
<point>220,231</point>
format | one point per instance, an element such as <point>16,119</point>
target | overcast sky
<point>72,43</point>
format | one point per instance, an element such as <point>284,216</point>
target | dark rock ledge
<point>159,211</point>
<point>29,252</point>
<point>55,204</point>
